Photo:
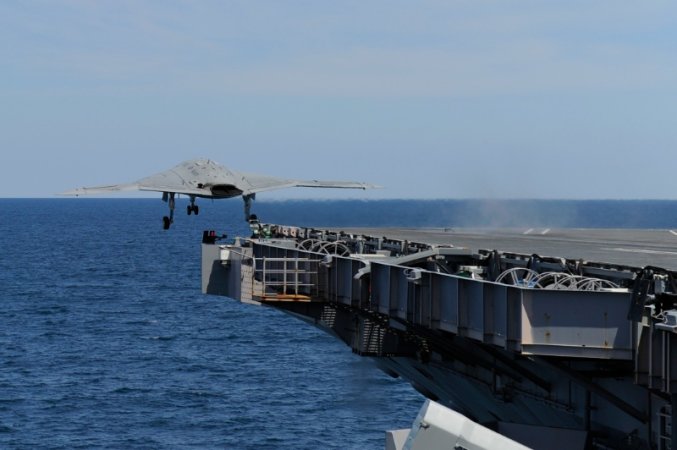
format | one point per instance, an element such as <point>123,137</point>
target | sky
<point>429,99</point>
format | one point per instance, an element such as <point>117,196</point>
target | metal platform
<point>503,326</point>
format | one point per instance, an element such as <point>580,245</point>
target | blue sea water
<point>107,342</point>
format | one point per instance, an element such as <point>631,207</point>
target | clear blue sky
<point>431,99</point>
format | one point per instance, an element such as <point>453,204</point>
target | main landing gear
<point>169,198</point>
<point>248,205</point>
<point>192,208</point>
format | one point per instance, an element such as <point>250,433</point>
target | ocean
<point>107,342</point>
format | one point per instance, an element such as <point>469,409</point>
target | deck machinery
<point>530,346</point>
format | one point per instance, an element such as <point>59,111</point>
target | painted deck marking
<point>528,231</point>
<point>546,231</point>
<point>673,232</point>
<point>641,250</point>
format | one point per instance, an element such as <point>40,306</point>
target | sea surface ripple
<point>107,342</point>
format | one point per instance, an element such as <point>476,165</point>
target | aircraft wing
<point>253,183</point>
<point>102,189</point>
<point>94,190</point>
<point>190,178</point>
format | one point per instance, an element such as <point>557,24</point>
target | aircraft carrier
<point>556,338</point>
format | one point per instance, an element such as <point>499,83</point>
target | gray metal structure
<point>207,179</point>
<point>582,348</point>
<point>437,427</point>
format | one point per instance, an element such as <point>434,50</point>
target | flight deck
<point>632,247</point>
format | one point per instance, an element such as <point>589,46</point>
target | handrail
<point>290,275</point>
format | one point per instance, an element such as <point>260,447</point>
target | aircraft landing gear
<point>192,208</point>
<point>169,198</point>
<point>248,205</point>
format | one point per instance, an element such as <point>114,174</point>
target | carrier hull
<point>487,322</point>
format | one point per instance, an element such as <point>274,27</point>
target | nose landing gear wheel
<point>166,223</point>
<point>196,209</point>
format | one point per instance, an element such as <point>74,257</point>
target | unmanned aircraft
<point>207,179</point>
